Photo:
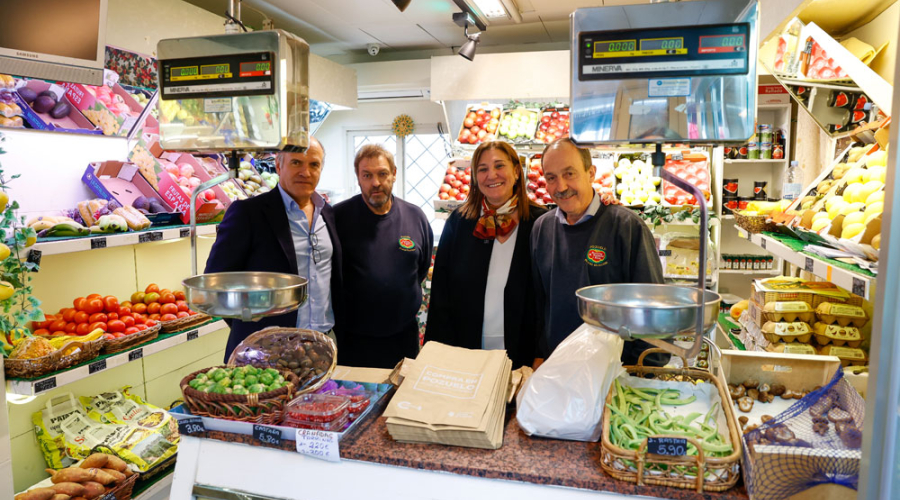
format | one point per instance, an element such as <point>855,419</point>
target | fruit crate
<point>518,125</point>
<point>456,184</point>
<point>480,123</point>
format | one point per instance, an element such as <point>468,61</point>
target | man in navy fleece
<point>387,252</point>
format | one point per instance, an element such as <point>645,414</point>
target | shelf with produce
<point>758,160</point>
<point>755,272</point>
<point>102,363</point>
<point>860,282</point>
<point>70,245</point>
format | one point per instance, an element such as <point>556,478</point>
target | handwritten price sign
<point>318,444</point>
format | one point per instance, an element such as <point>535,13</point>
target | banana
<point>67,228</point>
<point>61,340</point>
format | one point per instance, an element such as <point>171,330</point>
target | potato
<point>60,496</point>
<point>36,494</point>
<point>118,476</point>
<point>95,461</point>
<point>72,475</point>
<point>93,489</point>
<point>102,477</point>
<point>70,489</point>
<point>114,462</point>
<point>128,472</point>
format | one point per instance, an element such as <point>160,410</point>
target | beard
<point>376,201</point>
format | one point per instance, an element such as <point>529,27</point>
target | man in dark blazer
<point>290,229</point>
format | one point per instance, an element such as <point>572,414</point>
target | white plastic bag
<point>565,397</point>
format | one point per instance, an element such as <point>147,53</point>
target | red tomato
<point>140,307</point>
<point>94,296</point>
<point>179,295</point>
<point>154,316</point>
<point>109,336</point>
<point>152,287</point>
<point>94,306</point>
<point>117,326</point>
<point>79,303</point>
<point>102,317</point>
<point>42,331</point>
<point>153,307</point>
<point>167,298</point>
<point>70,328</point>
<point>131,329</point>
<point>69,314</point>
<point>58,325</point>
<point>124,310</point>
<point>182,305</point>
<point>168,309</point>
<point>82,317</point>
<point>128,320</point>
<point>141,327</point>
<point>112,316</point>
<point>150,323</point>
<point>111,303</point>
<point>182,314</point>
<point>168,317</point>
<point>119,335</point>
<point>83,329</point>
<point>127,303</point>
<point>99,324</point>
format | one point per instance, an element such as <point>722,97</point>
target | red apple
<point>444,196</point>
<point>532,186</point>
<point>542,182</point>
<point>481,134</point>
<point>547,199</point>
<point>453,192</point>
<point>445,187</point>
<point>467,179</point>
<point>473,139</point>
<point>541,192</point>
<point>465,188</point>
<point>461,196</point>
<point>456,183</point>
<point>495,113</point>
<point>532,197</point>
<point>471,115</point>
<point>533,175</point>
<point>449,178</point>
<point>468,123</point>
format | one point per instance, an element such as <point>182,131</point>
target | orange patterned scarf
<point>498,222</point>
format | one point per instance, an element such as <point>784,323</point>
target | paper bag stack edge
<point>452,396</point>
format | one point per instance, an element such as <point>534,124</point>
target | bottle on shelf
<point>792,182</point>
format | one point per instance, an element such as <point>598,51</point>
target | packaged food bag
<point>565,397</point>
<point>48,429</point>
<point>124,408</point>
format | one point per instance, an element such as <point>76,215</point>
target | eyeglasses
<point>314,245</point>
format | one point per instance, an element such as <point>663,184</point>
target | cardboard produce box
<point>811,292</point>
<point>111,121</point>
<point>118,181</point>
<point>74,122</point>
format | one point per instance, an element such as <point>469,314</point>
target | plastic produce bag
<point>565,397</point>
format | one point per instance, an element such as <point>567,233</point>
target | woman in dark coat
<point>482,293</point>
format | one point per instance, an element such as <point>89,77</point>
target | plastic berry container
<point>359,398</point>
<point>317,408</point>
<point>333,426</point>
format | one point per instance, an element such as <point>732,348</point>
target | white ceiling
<point>336,28</point>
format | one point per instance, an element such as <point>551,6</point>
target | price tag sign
<point>672,447</point>
<point>45,385</point>
<point>156,236</point>
<point>318,444</point>
<point>859,287</point>
<point>191,426</point>
<point>665,253</point>
<point>808,265</point>
<point>136,354</point>
<point>144,238</point>
<point>267,435</point>
<point>184,232</point>
<point>763,243</point>
<point>98,243</point>
<point>193,335</point>
<point>96,366</point>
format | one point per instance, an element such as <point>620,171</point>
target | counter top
<point>521,458</point>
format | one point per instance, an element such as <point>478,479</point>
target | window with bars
<point>421,163</point>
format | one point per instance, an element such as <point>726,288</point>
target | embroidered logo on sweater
<point>407,244</point>
<point>596,256</point>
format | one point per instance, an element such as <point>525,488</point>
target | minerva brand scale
<point>681,73</point>
<point>236,92</point>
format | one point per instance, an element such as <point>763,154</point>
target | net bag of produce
<point>564,398</point>
<point>817,440</point>
<point>311,355</point>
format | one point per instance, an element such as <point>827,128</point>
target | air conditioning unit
<point>392,95</point>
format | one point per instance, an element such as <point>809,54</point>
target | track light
<point>401,4</point>
<point>468,48</point>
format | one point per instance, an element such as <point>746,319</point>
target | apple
<point>548,199</point>
<point>194,181</point>
<point>449,178</point>
<point>471,116</point>
<point>495,113</point>
<point>468,170</point>
<point>443,196</point>
<point>465,188</point>
<point>533,175</point>
<point>541,192</point>
<point>453,192</point>
<point>481,134</point>
<point>532,186</point>
<point>209,194</point>
<point>461,196</point>
<point>542,182</point>
<point>172,168</point>
<point>475,129</point>
<point>473,139</point>
<point>468,123</point>
<point>467,179</point>
<point>445,187</point>
<point>532,197</point>
<point>186,170</point>
<point>456,183</point>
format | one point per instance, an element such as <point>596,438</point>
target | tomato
<point>70,328</point>
<point>154,317</point>
<point>98,317</point>
<point>79,303</point>
<point>109,336</point>
<point>112,316</point>
<point>82,317</point>
<point>182,314</point>
<point>94,296</point>
<point>137,297</point>
<point>57,325</point>
<point>128,320</point>
<point>182,305</point>
<point>139,307</point>
<point>168,309</point>
<point>151,297</point>
<point>117,326</point>
<point>193,312</point>
<point>94,306</point>
<point>119,335</point>
<point>99,324</point>
<point>130,330</point>
<point>111,303</point>
<point>141,327</point>
<point>150,323</point>
<point>124,310</point>
<point>152,287</point>
<point>127,303</point>
<point>167,298</point>
<point>69,314</point>
<point>179,295</point>
<point>154,307</point>
<point>164,291</point>
<point>42,331</point>
<point>168,317</point>
<point>83,329</point>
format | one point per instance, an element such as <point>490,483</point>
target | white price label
<point>319,444</point>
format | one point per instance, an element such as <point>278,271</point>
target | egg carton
<point>842,315</point>
<point>787,332</point>
<point>837,335</point>
<point>849,356</point>
<point>789,312</point>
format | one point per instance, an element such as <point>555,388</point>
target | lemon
<point>875,208</point>
<point>852,230</point>
<point>877,159</point>
<point>831,201</point>
<point>820,224</point>
<point>852,207</point>
<point>4,252</point>
<point>875,174</point>
<point>874,197</point>
<point>867,190</point>
<point>854,218</point>
<point>4,200</point>
<point>6,290</point>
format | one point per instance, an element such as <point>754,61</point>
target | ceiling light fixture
<point>464,19</point>
<point>491,8</point>
<point>401,4</point>
<point>468,48</point>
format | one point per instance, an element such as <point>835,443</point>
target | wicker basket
<point>129,341</point>
<point>37,367</point>
<point>617,461</point>
<point>308,382</point>
<point>262,408</point>
<point>176,325</point>
<point>753,223</point>
<point>122,491</point>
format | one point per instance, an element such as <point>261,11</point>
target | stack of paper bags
<point>452,396</point>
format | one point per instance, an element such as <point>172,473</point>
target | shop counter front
<point>375,466</point>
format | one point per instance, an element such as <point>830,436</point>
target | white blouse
<point>498,273</point>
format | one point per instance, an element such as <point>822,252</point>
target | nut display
<point>310,355</point>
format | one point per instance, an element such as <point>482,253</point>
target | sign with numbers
<point>318,444</point>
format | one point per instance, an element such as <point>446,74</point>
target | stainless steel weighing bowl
<point>644,311</point>
<point>248,296</point>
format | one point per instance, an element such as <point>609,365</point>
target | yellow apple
<point>878,158</point>
<point>836,208</point>
<point>851,192</point>
<point>820,215</point>
<point>851,230</point>
<point>854,218</point>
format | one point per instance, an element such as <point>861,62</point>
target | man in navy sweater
<point>583,242</point>
<point>387,246</point>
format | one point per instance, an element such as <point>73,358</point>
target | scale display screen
<point>215,76</point>
<point>664,52</point>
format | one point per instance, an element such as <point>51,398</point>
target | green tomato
<point>250,380</point>
<point>266,378</point>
